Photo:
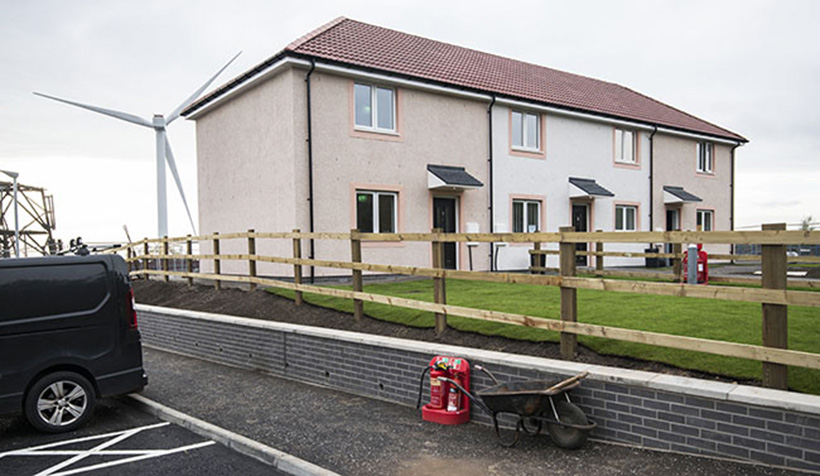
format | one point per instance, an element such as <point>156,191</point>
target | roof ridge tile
<point>313,34</point>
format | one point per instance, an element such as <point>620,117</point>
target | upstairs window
<point>376,211</point>
<point>526,216</point>
<point>626,218</point>
<point>705,157</point>
<point>526,131</point>
<point>625,146</point>
<point>375,108</point>
<point>705,220</point>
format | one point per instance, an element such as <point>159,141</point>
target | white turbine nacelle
<point>163,147</point>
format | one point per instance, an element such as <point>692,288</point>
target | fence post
<point>677,263</point>
<point>599,259</point>
<point>189,264</point>
<point>165,258</point>
<point>356,257</point>
<point>775,316</point>
<point>439,286</point>
<point>217,265</point>
<point>251,258</point>
<point>145,261</point>
<point>569,297</point>
<point>535,259</point>
<point>128,255</point>
<point>297,268</point>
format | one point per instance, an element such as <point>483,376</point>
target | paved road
<point>125,441</point>
<point>357,436</point>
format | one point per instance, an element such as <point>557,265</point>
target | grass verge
<point>704,318</point>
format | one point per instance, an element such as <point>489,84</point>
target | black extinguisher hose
<point>421,386</point>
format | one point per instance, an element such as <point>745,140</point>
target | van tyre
<point>61,401</point>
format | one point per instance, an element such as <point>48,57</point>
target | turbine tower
<point>164,154</point>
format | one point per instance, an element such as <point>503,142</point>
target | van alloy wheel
<point>62,402</point>
<point>59,402</point>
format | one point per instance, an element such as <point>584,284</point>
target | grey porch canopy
<point>588,188</point>
<point>446,177</point>
<point>678,195</point>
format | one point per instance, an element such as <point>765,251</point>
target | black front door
<point>671,224</point>
<point>444,217</point>
<point>579,221</point>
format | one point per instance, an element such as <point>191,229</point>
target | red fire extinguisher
<point>703,265</point>
<point>448,405</point>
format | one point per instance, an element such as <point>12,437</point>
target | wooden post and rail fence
<point>774,296</point>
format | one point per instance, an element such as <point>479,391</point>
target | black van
<point>68,335</point>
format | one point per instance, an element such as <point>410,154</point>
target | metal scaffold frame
<point>35,218</point>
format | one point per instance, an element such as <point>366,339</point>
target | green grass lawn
<point>705,318</point>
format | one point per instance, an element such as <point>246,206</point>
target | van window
<point>42,291</point>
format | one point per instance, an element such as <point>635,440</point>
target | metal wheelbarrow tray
<point>533,403</point>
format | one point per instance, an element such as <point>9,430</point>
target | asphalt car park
<point>119,440</point>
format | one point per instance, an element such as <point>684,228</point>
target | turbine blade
<point>169,157</point>
<point>175,113</point>
<point>108,112</point>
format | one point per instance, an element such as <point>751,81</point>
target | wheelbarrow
<point>534,403</point>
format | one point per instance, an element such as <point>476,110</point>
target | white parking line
<point>99,450</point>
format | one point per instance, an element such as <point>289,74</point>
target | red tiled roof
<point>360,44</point>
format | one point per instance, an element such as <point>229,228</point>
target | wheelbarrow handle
<point>489,374</point>
<point>475,399</point>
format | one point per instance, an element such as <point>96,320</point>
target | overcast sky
<point>752,67</point>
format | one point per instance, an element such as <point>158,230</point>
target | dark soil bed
<point>260,304</point>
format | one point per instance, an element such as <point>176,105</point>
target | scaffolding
<point>35,219</point>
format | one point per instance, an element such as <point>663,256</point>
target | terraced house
<point>358,126</point>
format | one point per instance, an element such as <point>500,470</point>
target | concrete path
<point>352,435</point>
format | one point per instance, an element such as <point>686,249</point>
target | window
<point>625,146</point>
<point>626,217</point>
<point>375,108</point>
<point>526,216</point>
<point>705,220</point>
<point>376,211</point>
<point>526,131</point>
<point>705,160</point>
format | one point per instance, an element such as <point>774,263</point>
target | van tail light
<point>132,312</point>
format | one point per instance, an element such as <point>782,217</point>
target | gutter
<point>490,165</point>
<point>310,169</point>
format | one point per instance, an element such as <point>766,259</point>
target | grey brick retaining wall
<point>638,408</point>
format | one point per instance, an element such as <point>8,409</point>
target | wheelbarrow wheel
<point>564,436</point>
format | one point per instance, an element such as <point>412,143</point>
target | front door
<point>581,223</point>
<point>444,217</point>
<point>672,224</point>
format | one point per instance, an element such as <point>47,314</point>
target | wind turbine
<point>164,154</point>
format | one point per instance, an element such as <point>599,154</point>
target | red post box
<point>703,265</point>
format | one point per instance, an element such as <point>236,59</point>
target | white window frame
<point>526,224</point>
<point>524,134</point>
<point>621,210</point>
<point>377,194</point>
<point>619,146</point>
<point>374,109</point>
<point>706,157</point>
<point>702,215</point>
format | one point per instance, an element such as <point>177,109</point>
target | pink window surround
<point>637,206</point>
<point>627,165</point>
<point>368,187</point>
<point>375,135</point>
<point>712,213</point>
<point>543,212</point>
<point>542,152</point>
<point>713,173</point>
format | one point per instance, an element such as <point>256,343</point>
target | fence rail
<point>773,296</point>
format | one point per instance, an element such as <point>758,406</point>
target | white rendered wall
<point>573,148</point>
